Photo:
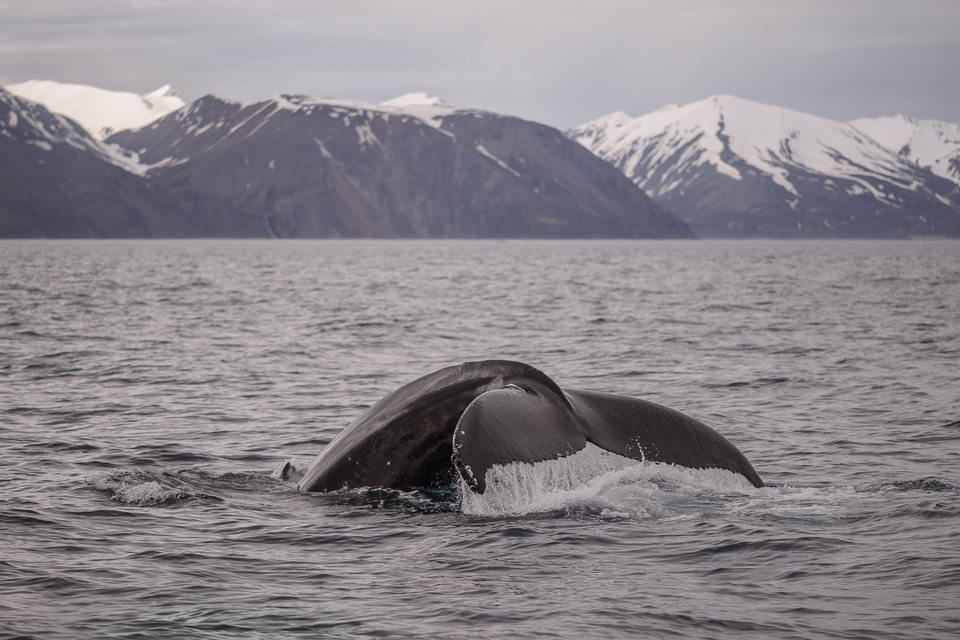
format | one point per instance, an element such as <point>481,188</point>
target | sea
<point>151,391</point>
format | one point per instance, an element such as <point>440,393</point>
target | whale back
<point>404,441</point>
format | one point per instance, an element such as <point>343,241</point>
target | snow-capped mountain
<point>303,167</point>
<point>413,166</point>
<point>57,181</point>
<point>100,111</point>
<point>30,123</point>
<point>933,144</point>
<point>730,166</point>
<point>418,166</point>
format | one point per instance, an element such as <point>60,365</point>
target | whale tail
<point>531,425</point>
<point>481,414</point>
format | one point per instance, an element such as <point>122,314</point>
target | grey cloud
<point>560,62</point>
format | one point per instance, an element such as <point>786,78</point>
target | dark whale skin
<point>469,417</point>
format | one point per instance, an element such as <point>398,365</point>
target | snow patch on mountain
<point>932,144</point>
<point>428,109</point>
<point>366,136</point>
<point>482,150</point>
<point>414,99</point>
<point>100,111</point>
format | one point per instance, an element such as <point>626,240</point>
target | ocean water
<point>150,391</point>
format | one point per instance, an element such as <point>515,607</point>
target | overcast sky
<point>556,61</point>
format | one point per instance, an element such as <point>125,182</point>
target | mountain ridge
<point>325,167</point>
<point>295,166</point>
<point>57,181</point>
<point>101,112</point>
<point>933,144</point>
<point>731,167</point>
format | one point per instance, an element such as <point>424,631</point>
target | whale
<point>462,420</point>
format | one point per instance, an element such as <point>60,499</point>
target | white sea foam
<point>595,479</point>
<point>142,488</point>
<point>135,490</point>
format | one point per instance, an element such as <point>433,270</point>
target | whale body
<point>464,419</point>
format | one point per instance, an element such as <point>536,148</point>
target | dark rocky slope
<point>299,167</point>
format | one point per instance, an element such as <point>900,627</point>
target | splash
<point>597,481</point>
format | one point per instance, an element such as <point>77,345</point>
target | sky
<point>555,61</point>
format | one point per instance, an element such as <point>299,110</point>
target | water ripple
<point>149,388</point>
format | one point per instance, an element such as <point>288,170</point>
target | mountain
<point>295,166</point>
<point>933,144</point>
<point>100,111</point>
<point>732,167</point>
<point>57,181</point>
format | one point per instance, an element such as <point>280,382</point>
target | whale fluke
<point>468,418</point>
